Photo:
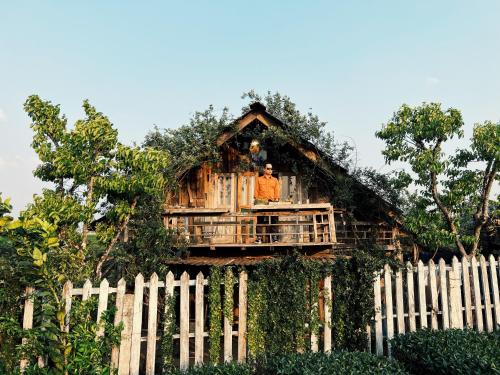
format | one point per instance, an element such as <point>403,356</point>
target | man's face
<point>268,170</point>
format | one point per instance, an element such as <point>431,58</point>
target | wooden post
<point>199,324</point>
<point>399,302</point>
<point>152,324</point>
<point>135,345</point>
<point>444,294</point>
<point>422,308</point>
<point>388,306</point>
<point>458,291</point>
<point>87,290</point>
<point>242,319</point>
<point>184,322</point>
<point>378,317</point>
<point>478,309</point>
<point>411,297</point>
<point>120,294</point>
<point>469,321</point>
<point>454,301</point>
<point>486,290</point>
<point>434,294</point>
<point>494,286</point>
<point>102,305</point>
<point>327,331</point>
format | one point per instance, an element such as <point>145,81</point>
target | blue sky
<point>145,63</point>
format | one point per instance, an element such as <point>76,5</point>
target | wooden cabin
<point>215,214</point>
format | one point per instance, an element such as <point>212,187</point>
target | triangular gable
<point>258,112</point>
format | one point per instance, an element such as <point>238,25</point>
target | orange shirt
<point>267,188</point>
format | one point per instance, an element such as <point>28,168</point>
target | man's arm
<point>277,190</point>
<point>256,191</point>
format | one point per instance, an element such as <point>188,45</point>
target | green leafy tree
<point>451,203</point>
<point>94,175</point>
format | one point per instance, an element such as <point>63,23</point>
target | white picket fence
<point>440,296</point>
<point>463,294</point>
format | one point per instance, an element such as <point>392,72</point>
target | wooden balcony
<point>277,225</point>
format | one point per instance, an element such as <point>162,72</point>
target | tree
<point>452,199</point>
<point>95,176</point>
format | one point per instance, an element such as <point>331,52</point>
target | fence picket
<point>199,324</point>
<point>120,293</point>
<point>453,297</point>
<point>378,317</point>
<point>87,290</point>
<point>327,331</point>
<point>135,344</point>
<point>27,318</point>
<point>411,297</point>
<point>228,328</point>
<point>126,335</point>
<point>102,305</point>
<point>478,309</point>
<point>184,322</point>
<point>469,321</point>
<point>400,308</point>
<point>242,317</point>
<point>67,289</point>
<point>494,287</point>
<point>486,294</point>
<point>422,303</point>
<point>444,294</point>
<point>388,306</point>
<point>434,294</point>
<point>152,324</point>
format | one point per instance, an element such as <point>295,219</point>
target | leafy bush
<point>231,368</point>
<point>338,363</point>
<point>452,351</point>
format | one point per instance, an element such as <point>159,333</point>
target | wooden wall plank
<point>454,301</point>
<point>67,289</point>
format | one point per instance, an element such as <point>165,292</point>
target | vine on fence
<point>167,341</point>
<point>215,314</point>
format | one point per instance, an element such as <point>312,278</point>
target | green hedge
<point>338,363</point>
<point>452,351</point>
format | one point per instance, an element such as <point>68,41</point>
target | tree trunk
<point>481,216</point>
<point>114,240</point>
<point>447,215</point>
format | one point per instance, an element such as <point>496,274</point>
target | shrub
<point>338,363</point>
<point>452,351</point>
<point>231,368</point>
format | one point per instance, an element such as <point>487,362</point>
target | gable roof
<point>258,112</point>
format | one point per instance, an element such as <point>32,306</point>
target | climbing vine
<point>228,294</point>
<point>215,314</point>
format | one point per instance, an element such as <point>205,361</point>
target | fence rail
<point>437,296</point>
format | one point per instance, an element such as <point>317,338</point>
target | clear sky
<point>145,63</point>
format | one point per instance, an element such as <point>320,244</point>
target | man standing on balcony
<point>267,190</point>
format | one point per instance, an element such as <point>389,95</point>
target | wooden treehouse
<point>214,211</point>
